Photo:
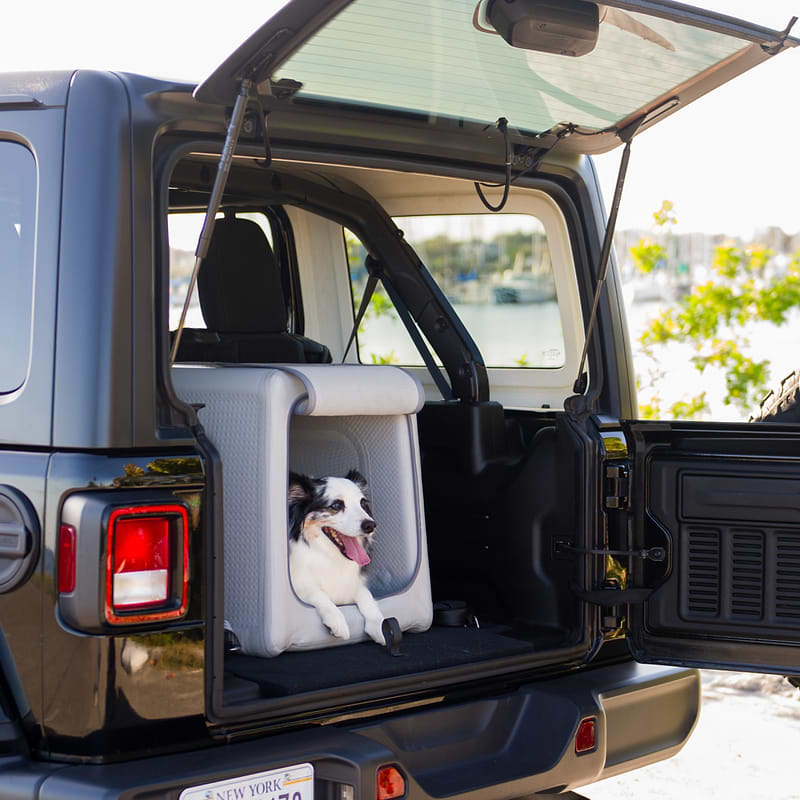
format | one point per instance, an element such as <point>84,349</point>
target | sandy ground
<point>746,746</point>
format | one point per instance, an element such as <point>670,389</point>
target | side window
<point>17,228</point>
<point>494,268</point>
<point>184,230</point>
<point>381,338</point>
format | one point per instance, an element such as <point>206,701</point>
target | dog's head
<point>333,510</point>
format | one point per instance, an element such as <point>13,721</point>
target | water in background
<point>531,331</point>
<point>508,334</point>
<point>511,332</point>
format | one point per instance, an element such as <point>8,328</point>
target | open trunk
<point>382,115</point>
<point>490,556</point>
<point>505,491</point>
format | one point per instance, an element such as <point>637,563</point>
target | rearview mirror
<point>564,27</point>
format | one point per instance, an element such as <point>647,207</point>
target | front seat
<point>243,304</point>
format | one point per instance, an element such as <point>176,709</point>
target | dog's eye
<point>365,505</point>
<point>336,505</point>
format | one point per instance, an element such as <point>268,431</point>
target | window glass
<point>494,268</point>
<point>17,228</point>
<point>440,58</point>
<point>184,231</point>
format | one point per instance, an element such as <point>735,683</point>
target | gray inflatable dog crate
<point>318,420</point>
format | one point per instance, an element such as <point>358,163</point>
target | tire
<point>783,405</point>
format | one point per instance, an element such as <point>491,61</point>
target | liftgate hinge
<point>616,486</point>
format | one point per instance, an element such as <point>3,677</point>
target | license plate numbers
<point>288,783</point>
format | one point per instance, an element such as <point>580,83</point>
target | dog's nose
<point>368,526</point>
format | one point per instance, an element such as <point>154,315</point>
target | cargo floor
<point>295,672</point>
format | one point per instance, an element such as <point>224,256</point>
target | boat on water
<point>521,285</point>
<point>525,289</point>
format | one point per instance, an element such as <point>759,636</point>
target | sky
<point>729,161</point>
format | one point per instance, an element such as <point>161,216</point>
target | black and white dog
<point>330,529</point>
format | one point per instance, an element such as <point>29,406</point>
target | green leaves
<point>692,408</point>
<point>733,262</point>
<point>714,315</point>
<point>746,380</point>
<point>384,358</point>
<point>647,255</point>
<point>664,215</point>
<point>380,305</point>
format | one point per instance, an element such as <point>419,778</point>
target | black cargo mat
<point>292,673</point>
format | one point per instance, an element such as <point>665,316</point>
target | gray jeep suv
<point>372,239</point>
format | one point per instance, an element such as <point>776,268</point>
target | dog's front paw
<point>373,630</point>
<point>337,625</point>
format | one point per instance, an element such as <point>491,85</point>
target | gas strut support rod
<point>223,170</point>
<point>626,135</point>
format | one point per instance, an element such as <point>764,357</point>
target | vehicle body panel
<point>485,762</point>
<point>92,388</point>
<point>147,690</point>
<point>723,500</point>
<point>21,610</point>
<point>25,414</point>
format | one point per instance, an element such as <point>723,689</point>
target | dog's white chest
<point>312,569</point>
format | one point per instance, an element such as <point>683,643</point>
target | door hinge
<point>616,494</point>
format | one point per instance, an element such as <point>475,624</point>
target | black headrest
<point>239,284</point>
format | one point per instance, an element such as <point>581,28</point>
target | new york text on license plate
<point>289,783</point>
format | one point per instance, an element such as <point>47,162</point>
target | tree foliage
<point>648,254</point>
<point>713,317</point>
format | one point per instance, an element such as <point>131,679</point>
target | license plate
<point>289,783</point>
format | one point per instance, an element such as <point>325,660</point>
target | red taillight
<point>391,783</point>
<point>141,562</point>
<point>66,559</point>
<point>147,565</point>
<point>586,737</point>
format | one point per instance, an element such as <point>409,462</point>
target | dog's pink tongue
<point>354,550</point>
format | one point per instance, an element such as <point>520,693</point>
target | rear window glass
<point>441,58</point>
<point>17,229</point>
<point>494,268</point>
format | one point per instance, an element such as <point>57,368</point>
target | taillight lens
<point>586,736</point>
<point>391,784</point>
<point>141,562</point>
<point>147,564</point>
<point>66,559</point>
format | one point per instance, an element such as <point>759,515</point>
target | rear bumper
<point>503,747</point>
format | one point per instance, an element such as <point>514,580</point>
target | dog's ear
<point>357,478</point>
<point>301,490</point>
<point>301,493</point>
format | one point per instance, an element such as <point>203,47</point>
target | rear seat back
<point>243,304</point>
